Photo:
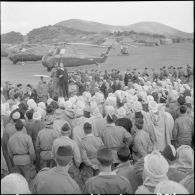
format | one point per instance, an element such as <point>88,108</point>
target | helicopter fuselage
<point>50,61</point>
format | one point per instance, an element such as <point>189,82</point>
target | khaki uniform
<point>126,170</point>
<point>10,130</point>
<point>107,183</point>
<point>44,144</point>
<point>113,137</point>
<point>89,146</point>
<point>21,150</point>
<point>74,169</point>
<point>55,181</point>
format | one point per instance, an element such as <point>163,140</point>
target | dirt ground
<point>179,54</point>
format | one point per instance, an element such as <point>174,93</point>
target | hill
<point>143,27</point>
<point>12,38</point>
<point>89,25</point>
<point>53,34</point>
<point>94,32</point>
<point>157,28</point>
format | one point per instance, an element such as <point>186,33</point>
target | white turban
<point>186,86</point>
<point>73,99</point>
<point>99,97</point>
<point>78,112</point>
<point>109,109</point>
<point>143,95</point>
<point>80,104</point>
<point>49,101</point>
<point>155,169</point>
<point>33,106</point>
<point>37,116</point>
<point>111,100</point>
<point>182,89</point>
<point>137,106</point>
<point>87,96</point>
<point>170,187</point>
<point>61,102</point>
<point>16,115</point>
<point>121,112</point>
<point>5,109</point>
<point>30,101</point>
<point>68,105</point>
<point>42,111</point>
<point>94,110</point>
<point>128,108</point>
<point>131,91</point>
<point>42,105</point>
<point>150,98</point>
<point>14,107</point>
<point>185,160</point>
<point>153,106</point>
<point>189,99</point>
<point>14,183</point>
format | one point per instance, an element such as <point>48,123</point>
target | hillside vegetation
<point>12,38</point>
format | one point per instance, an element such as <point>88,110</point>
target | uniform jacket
<point>89,147</point>
<point>183,130</point>
<point>108,183</point>
<point>44,142</point>
<point>64,141</point>
<point>55,181</point>
<point>21,149</point>
<point>127,170</point>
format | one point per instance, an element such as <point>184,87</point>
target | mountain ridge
<point>144,27</point>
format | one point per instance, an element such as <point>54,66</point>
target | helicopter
<point>124,48</point>
<point>59,55</point>
<point>119,42</point>
<point>22,53</point>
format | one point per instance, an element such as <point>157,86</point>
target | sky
<point>24,16</point>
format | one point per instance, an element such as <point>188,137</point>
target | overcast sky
<point>24,16</point>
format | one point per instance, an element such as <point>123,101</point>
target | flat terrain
<point>179,54</point>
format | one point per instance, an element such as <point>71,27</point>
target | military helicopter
<point>59,55</point>
<point>124,48</point>
<point>22,53</point>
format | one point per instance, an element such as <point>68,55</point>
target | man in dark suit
<point>62,74</point>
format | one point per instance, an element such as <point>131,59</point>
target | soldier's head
<point>19,86</point>
<point>183,109</point>
<point>104,157</point>
<point>65,130</point>
<point>19,125</point>
<point>29,87</point>
<point>123,153</point>
<point>64,155</point>
<point>87,128</point>
<point>29,114</point>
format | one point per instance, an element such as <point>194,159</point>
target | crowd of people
<point>96,132</point>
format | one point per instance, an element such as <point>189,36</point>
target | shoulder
<point>92,180</point>
<point>44,169</point>
<point>142,190</point>
<point>123,179</point>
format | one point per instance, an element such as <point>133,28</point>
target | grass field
<point>152,57</point>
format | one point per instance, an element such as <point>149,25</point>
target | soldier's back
<point>55,181</point>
